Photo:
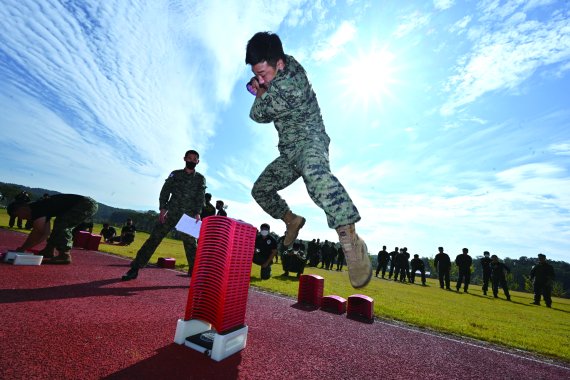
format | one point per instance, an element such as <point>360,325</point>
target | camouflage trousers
<point>61,236</point>
<point>159,232</point>
<point>311,162</point>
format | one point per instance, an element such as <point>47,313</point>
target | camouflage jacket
<point>291,104</point>
<point>183,193</point>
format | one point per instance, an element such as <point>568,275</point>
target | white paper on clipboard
<point>189,226</point>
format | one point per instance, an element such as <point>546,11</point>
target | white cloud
<point>333,45</point>
<point>411,23</point>
<point>443,4</point>
<point>506,55</point>
<point>562,149</point>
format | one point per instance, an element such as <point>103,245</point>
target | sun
<point>368,78</point>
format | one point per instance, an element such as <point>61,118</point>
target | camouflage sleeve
<point>165,192</point>
<point>200,195</point>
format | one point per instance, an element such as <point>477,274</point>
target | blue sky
<point>449,120</point>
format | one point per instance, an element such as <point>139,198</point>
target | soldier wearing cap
<point>498,277</point>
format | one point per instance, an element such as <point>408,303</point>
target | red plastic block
<point>334,304</point>
<point>360,305</point>
<point>80,239</point>
<point>311,289</point>
<point>92,243</point>
<point>220,279</point>
<point>166,262</point>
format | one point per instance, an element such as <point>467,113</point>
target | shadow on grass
<point>180,362</point>
<point>79,290</point>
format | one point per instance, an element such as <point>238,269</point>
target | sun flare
<point>368,78</point>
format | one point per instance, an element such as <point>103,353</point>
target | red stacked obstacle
<point>92,243</point>
<point>81,238</point>
<point>214,322</point>
<point>334,304</point>
<point>360,306</point>
<point>166,262</point>
<point>220,280</point>
<point>311,289</point>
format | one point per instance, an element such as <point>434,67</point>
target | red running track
<point>81,322</point>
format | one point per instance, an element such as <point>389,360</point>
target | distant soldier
<point>486,267</point>
<point>406,263</point>
<point>442,263</point>
<point>294,260</point>
<point>498,273</point>
<point>221,208</point>
<point>383,258</point>
<point>418,265</point>
<point>463,263</point>
<point>209,208</point>
<point>108,232</point>
<point>340,258</point>
<point>183,192</point>
<point>393,255</point>
<point>542,275</point>
<point>265,251</point>
<point>402,265</point>
<point>22,197</point>
<point>68,210</point>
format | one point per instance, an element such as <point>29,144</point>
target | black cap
<point>264,226</point>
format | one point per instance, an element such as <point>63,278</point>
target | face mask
<point>190,165</point>
<point>264,232</point>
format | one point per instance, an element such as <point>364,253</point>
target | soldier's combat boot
<point>294,223</point>
<point>47,253</point>
<point>356,254</point>
<point>63,258</point>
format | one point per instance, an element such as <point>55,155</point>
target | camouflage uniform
<point>182,193</point>
<point>69,210</point>
<point>291,104</point>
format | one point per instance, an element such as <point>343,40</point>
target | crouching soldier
<point>265,251</point>
<point>68,210</point>
<point>294,260</point>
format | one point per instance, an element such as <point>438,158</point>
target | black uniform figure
<point>406,263</point>
<point>393,255</point>
<point>542,275</point>
<point>383,258</point>
<point>486,267</point>
<point>442,263</point>
<point>418,265</point>
<point>498,277</point>
<point>221,209</point>
<point>339,258</point>
<point>311,251</point>
<point>209,208</point>
<point>294,260</point>
<point>463,263</point>
<point>108,232</point>
<point>265,250</point>
<point>22,197</point>
<point>128,233</point>
<point>402,265</point>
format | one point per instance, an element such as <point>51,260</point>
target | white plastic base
<point>11,255</point>
<point>223,345</point>
<point>28,260</point>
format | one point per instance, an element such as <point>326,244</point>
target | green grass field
<point>515,324</point>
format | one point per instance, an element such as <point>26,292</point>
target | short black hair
<point>264,226</point>
<point>192,151</point>
<point>264,46</point>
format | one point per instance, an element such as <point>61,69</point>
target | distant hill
<point>113,215</point>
